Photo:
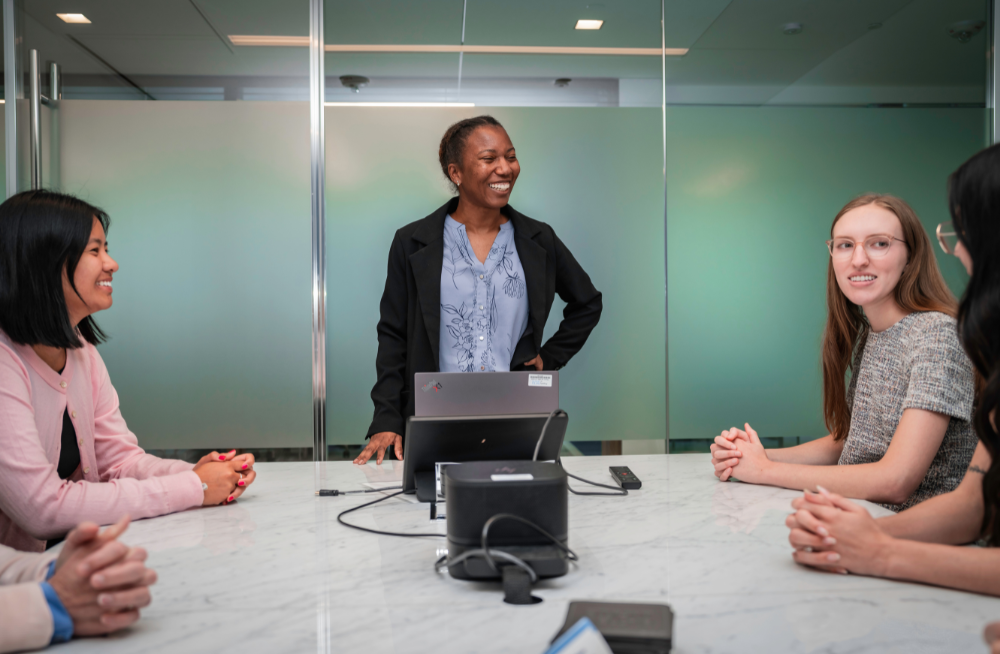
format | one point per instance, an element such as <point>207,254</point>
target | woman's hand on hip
<point>379,443</point>
<point>535,363</point>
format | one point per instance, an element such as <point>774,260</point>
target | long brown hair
<point>921,288</point>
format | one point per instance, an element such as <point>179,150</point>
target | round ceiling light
<point>791,29</point>
<point>964,30</point>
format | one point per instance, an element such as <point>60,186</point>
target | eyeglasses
<point>876,246</point>
<point>947,237</point>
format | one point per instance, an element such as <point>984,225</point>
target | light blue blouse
<point>484,307</point>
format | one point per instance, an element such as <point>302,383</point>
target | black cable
<point>328,492</point>
<point>541,436</point>
<point>619,492</point>
<point>340,519</point>
<point>570,554</point>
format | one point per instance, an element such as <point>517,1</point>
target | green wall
<point>752,194</point>
<point>595,175</point>
<point>210,223</point>
<point>210,332</point>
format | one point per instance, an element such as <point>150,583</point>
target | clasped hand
<point>739,447</point>
<point>102,582</point>
<point>834,534</point>
<point>227,476</point>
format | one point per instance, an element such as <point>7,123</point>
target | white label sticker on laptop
<point>540,380</point>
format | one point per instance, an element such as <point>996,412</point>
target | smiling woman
<point>901,431</point>
<point>64,438</point>
<point>469,287</point>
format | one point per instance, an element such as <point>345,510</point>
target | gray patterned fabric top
<point>917,363</point>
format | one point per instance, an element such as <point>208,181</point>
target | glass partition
<point>591,167</point>
<point>777,117</point>
<point>209,205</point>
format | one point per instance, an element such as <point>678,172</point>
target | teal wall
<point>209,202</point>
<point>752,194</point>
<point>595,175</point>
<point>210,331</point>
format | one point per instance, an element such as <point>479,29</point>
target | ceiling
<point>738,51</point>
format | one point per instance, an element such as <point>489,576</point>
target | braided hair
<point>454,139</point>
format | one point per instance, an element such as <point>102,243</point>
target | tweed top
<point>917,363</point>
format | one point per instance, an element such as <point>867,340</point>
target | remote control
<point>625,478</point>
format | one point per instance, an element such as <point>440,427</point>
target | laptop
<point>438,394</point>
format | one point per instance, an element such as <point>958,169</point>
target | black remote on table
<point>625,478</point>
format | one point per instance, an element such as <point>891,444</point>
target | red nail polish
<point>242,483</point>
<point>244,466</point>
<point>222,457</point>
<point>230,498</point>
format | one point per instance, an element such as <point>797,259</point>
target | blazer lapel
<point>426,264</point>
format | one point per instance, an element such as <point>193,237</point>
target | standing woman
<point>469,288</point>
<point>66,455</point>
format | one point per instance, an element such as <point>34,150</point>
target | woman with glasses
<point>833,533</point>
<point>900,430</point>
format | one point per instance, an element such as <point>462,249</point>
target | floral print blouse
<point>484,307</point>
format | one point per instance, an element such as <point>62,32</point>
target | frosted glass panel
<point>594,174</point>
<point>209,203</point>
<point>752,193</point>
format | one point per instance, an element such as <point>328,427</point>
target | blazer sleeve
<point>582,312</point>
<point>390,362</point>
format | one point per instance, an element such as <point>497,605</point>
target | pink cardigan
<point>115,476</point>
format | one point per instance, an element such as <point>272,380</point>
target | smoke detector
<point>791,29</point>
<point>964,30</point>
<point>563,81</point>
<point>354,82</point>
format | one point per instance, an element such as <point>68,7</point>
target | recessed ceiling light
<point>73,18</point>
<point>589,24</point>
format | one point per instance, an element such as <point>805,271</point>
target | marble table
<point>275,572</point>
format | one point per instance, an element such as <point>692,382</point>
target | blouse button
<point>86,471</point>
<point>482,367</point>
<point>80,441</point>
<point>63,384</point>
<point>73,414</point>
<point>480,307</point>
<point>480,338</point>
<point>480,277</point>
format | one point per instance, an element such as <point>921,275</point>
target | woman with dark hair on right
<point>918,544</point>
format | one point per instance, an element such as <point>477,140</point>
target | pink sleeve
<point>42,504</point>
<point>118,453</point>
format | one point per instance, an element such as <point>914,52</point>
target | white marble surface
<point>275,572</point>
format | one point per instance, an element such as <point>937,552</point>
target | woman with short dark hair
<point>469,287</point>
<point>66,454</point>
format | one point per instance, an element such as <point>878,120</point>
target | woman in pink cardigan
<point>66,454</point>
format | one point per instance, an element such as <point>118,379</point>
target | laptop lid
<point>485,394</point>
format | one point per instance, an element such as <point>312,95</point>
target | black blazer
<point>408,329</point>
